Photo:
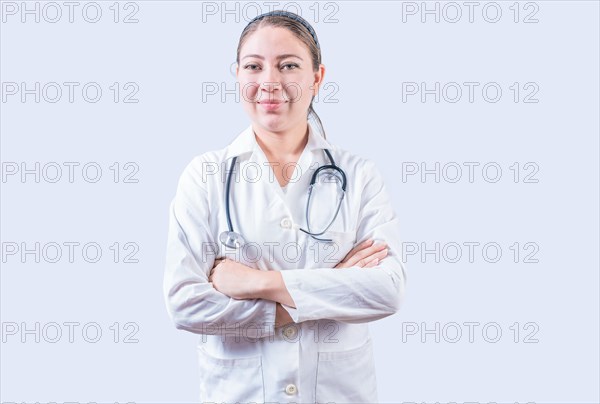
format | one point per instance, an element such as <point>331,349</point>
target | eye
<point>251,66</point>
<point>291,66</point>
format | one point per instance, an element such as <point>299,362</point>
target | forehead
<point>271,41</point>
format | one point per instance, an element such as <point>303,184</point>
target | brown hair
<point>302,33</point>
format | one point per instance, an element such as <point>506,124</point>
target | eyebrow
<point>288,55</point>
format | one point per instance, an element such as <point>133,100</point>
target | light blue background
<point>368,53</point>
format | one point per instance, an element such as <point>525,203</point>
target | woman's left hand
<point>234,279</point>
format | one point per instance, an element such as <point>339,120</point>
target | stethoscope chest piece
<point>231,239</point>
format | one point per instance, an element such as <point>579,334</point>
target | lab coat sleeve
<point>355,294</point>
<point>192,302</point>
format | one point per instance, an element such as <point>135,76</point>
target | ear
<point>319,76</point>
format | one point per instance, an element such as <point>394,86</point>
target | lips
<point>270,105</point>
<point>270,102</point>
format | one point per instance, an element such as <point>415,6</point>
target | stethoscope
<point>232,239</point>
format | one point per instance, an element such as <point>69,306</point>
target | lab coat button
<point>290,332</point>
<point>286,223</point>
<point>290,389</point>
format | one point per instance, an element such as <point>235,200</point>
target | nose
<point>271,75</point>
<point>270,84</point>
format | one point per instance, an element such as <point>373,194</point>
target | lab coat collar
<point>245,142</point>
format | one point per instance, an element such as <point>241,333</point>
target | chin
<point>271,122</point>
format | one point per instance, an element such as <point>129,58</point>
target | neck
<point>282,145</point>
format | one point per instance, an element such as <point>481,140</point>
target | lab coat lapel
<point>297,191</point>
<point>268,179</point>
<point>312,157</point>
<point>297,187</point>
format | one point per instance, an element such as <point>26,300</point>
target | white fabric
<point>328,355</point>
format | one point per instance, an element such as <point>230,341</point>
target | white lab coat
<point>327,356</point>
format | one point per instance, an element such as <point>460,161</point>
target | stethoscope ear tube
<point>329,166</point>
<point>228,186</point>
<point>339,205</point>
<point>313,181</point>
<point>232,239</point>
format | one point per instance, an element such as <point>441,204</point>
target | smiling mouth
<point>269,102</point>
<point>270,105</point>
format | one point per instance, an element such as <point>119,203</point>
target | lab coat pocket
<point>230,380</point>
<point>334,251</point>
<point>347,376</point>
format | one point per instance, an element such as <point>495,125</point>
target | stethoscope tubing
<point>312,183</point>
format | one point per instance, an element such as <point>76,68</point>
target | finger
<point>358,248</point>
<point>366,253</point>
<point>372,263</point>
<point>382,254</point>
<point>379,256</point>
<point>363,245</point>
<point>363,257</point>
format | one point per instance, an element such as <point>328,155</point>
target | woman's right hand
<point>365,255</point>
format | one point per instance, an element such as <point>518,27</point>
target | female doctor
<point>282,282</point>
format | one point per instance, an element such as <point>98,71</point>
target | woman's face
<point>276,79</point>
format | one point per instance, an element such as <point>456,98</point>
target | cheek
<point>299,92</point>
<point>248,91</point>
<point>293,92</point>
